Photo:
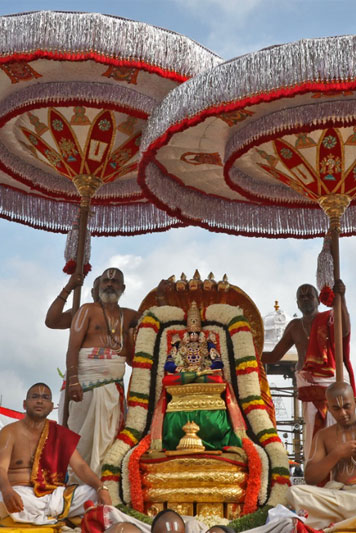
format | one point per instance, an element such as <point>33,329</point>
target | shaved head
<point>341,403</point>
<point>338,389</point>
<point>307,287</point>
<point>168,521</point>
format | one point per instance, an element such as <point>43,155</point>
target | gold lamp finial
<point>190,442</point>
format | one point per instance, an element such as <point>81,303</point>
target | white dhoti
<point>98,417</point>
<point>333,503</point>
<point>48,509</point>
<point>305,379</point>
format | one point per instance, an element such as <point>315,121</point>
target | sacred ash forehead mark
<point>110,273</point>
<point>340,401</point>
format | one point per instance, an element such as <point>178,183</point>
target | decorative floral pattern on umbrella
<point>98,147</point>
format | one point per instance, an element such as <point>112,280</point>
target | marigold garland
<point>134,473</point>
<point>254,477</point>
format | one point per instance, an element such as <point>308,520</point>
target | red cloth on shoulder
<point>320,356</point>
<point>52,456</point>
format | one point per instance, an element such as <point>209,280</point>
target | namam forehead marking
<point>42,390</point>
<point>305,289</point>
<point>340,401</point>
<point>112,273</point>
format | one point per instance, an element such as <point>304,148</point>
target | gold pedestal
<point>210,509</point>
<point>196,396</point>
<point>194,482</point>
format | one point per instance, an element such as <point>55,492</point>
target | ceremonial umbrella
<point>257,144</point>
<point>76,90</point>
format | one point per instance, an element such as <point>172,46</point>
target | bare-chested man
<point>56,318</point>
<point>99,346</point>
<point>313,336</point>
<point>333,453</point>
<point>34,455</point>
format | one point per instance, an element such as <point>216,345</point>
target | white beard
<point>108,298</point>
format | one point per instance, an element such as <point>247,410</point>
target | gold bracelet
<point>73,384</point>
<point>102,487</point>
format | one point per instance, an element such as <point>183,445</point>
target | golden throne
<point>192,477</point>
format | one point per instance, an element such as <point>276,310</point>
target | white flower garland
<point>248,385</point>
<point>262,496</point>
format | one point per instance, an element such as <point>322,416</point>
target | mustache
<point>109,295</point>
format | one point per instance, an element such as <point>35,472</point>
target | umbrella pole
<point>83,221</point>
<point>337,308</point>
<point>87,186</point>
<point>334,205</point>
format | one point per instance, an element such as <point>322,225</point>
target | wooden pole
<point>87,186</point>
<point>334,205</point>
<point>339,359</point>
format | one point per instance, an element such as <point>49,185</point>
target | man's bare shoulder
<point>293,324</point>
<point>91,307</point>
<point>327,433</point>
<point>130,314</point>
<point>11,430</point>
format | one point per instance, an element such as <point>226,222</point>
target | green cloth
<point>215,429</point>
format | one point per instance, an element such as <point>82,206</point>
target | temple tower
<point>281,377</point>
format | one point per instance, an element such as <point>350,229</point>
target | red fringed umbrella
<point>76,90</point>
<point>257,144</point>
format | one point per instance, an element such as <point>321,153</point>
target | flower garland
<point>125,478</point>
<point>242,368</point>
<point>251,521</point>
<point>327,296</point>
<point>263,494</point>
<point>135,475</point>
<point>254,477</point>
<point>249,394</point>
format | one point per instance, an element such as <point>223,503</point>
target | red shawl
<point>320,356</point>
<point>52,456</point>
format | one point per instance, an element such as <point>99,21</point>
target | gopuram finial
<point>193,318</point>
<point>209,283</point>
<point>224,285</point>
<point>195,283</point>
<point>182,283</point>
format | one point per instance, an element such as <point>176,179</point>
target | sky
<point>267,269</point>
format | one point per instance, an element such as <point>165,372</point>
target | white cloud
<point>224,21</point>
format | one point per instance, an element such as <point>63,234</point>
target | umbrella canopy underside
<point>76,92</point>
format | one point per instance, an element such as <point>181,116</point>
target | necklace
<point>307,333</point>
<point>114,344</point>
